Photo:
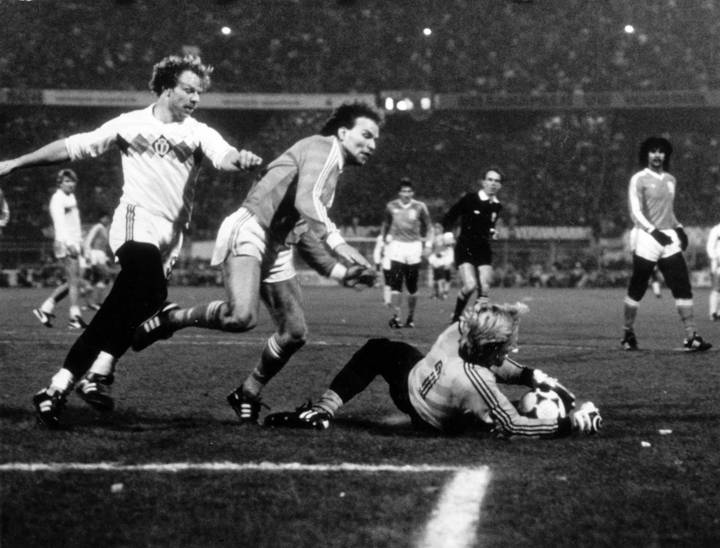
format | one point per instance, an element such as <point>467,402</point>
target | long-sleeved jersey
<point>66,218</point>
<point>408,222</point>
<point>446,392</point>
<point>160,161</point>
<point>651,198</point>
<point>478,214</point>
<point>297,189</point>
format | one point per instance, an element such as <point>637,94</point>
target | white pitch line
<point>455,520</point>
<point>220,467</point>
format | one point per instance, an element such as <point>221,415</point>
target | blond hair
<point>486,329</point>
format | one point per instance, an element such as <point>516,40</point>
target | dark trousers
<point>138,292</point>
<point>393,360</point>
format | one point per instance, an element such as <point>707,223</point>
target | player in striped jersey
<point>712,247</point>
<point>659,239</point>
<point>478,213</point>
<point>255,247</point>
<point>455,385</point>
<point>162,147</point>
<point>67,250</point>
<point>406,226</point>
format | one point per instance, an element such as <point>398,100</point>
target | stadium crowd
<point>563,168</point>
<point>294,45</point>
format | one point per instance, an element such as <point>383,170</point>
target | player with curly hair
<point>255,247</point>
<point>162,147</point>
<point>455,385</point>
<point>658,239</point>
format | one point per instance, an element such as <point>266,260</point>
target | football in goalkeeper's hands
<point>542,404</point>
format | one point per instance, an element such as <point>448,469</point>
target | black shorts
<point>476,253</point>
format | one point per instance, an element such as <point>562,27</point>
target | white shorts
<point>63,250</point>
<point>404,252</point>
<point>98,257</point>
<point>241,235</point>
<point>647,247</point>
<point>134,223</point>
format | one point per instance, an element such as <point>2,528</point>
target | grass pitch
<point>630,485</point>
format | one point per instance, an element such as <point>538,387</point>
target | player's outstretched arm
<point>242,160</point>
<point>351,255</point>
<point>52,153</point>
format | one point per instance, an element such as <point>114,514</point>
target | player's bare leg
<point>469,281</point>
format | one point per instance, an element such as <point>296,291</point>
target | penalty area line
<point>454,521</point>
<point>221,467</point>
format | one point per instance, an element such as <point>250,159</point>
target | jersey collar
<point>485,198</point>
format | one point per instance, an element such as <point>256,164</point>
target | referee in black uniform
<point>478,212</point>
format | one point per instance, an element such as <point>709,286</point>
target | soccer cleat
<point>409,322</point>
<point>394,323</point>
<point>696,344</point>
<point>48,408</point>
<point>246,407</point>
<point>46,318</point>
<point>154,328</point>
<point>306,417</point>
<point>629,342</point>
<point>77,322</point>
<point>94,390</point>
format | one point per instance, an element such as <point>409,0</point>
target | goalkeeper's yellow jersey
<point>447,392</point>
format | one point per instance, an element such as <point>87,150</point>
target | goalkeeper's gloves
<point>682,237</point>
<point>586,419</point>
<point>661,238</point>
<point>448,238</point>
<point>544,381</point>
<point>358,276</point>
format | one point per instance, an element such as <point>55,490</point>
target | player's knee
<point>238,319</point>
<point>293,339</point>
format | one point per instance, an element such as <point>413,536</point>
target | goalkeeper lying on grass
<point>455,385</point>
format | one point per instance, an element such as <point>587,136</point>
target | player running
<point>162,147</point>
<point>255,247</point>
<point>454,387</point>
<point>478,212</point>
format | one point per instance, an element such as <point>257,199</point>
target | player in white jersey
<point>659,239</point>
<point>407,230</point>
<point>97,252</point>
<point>455,385</point>
<point>67,250</point>
<point>713,251</point>
<point>162,147</point>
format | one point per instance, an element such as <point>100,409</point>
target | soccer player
<point>478,212</point>
<point>255,244</point>
<point>713,250</point>
<point>97,251</point>
<point>659,240</point>
<point>162,147</point>
<point>382,265</point>
<point>406,225</point>
<point>454,386</point>
<point>441,261</point>
<point>4,211</point>
<point>67,248</point>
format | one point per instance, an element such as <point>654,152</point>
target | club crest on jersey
<point>161,146</point>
